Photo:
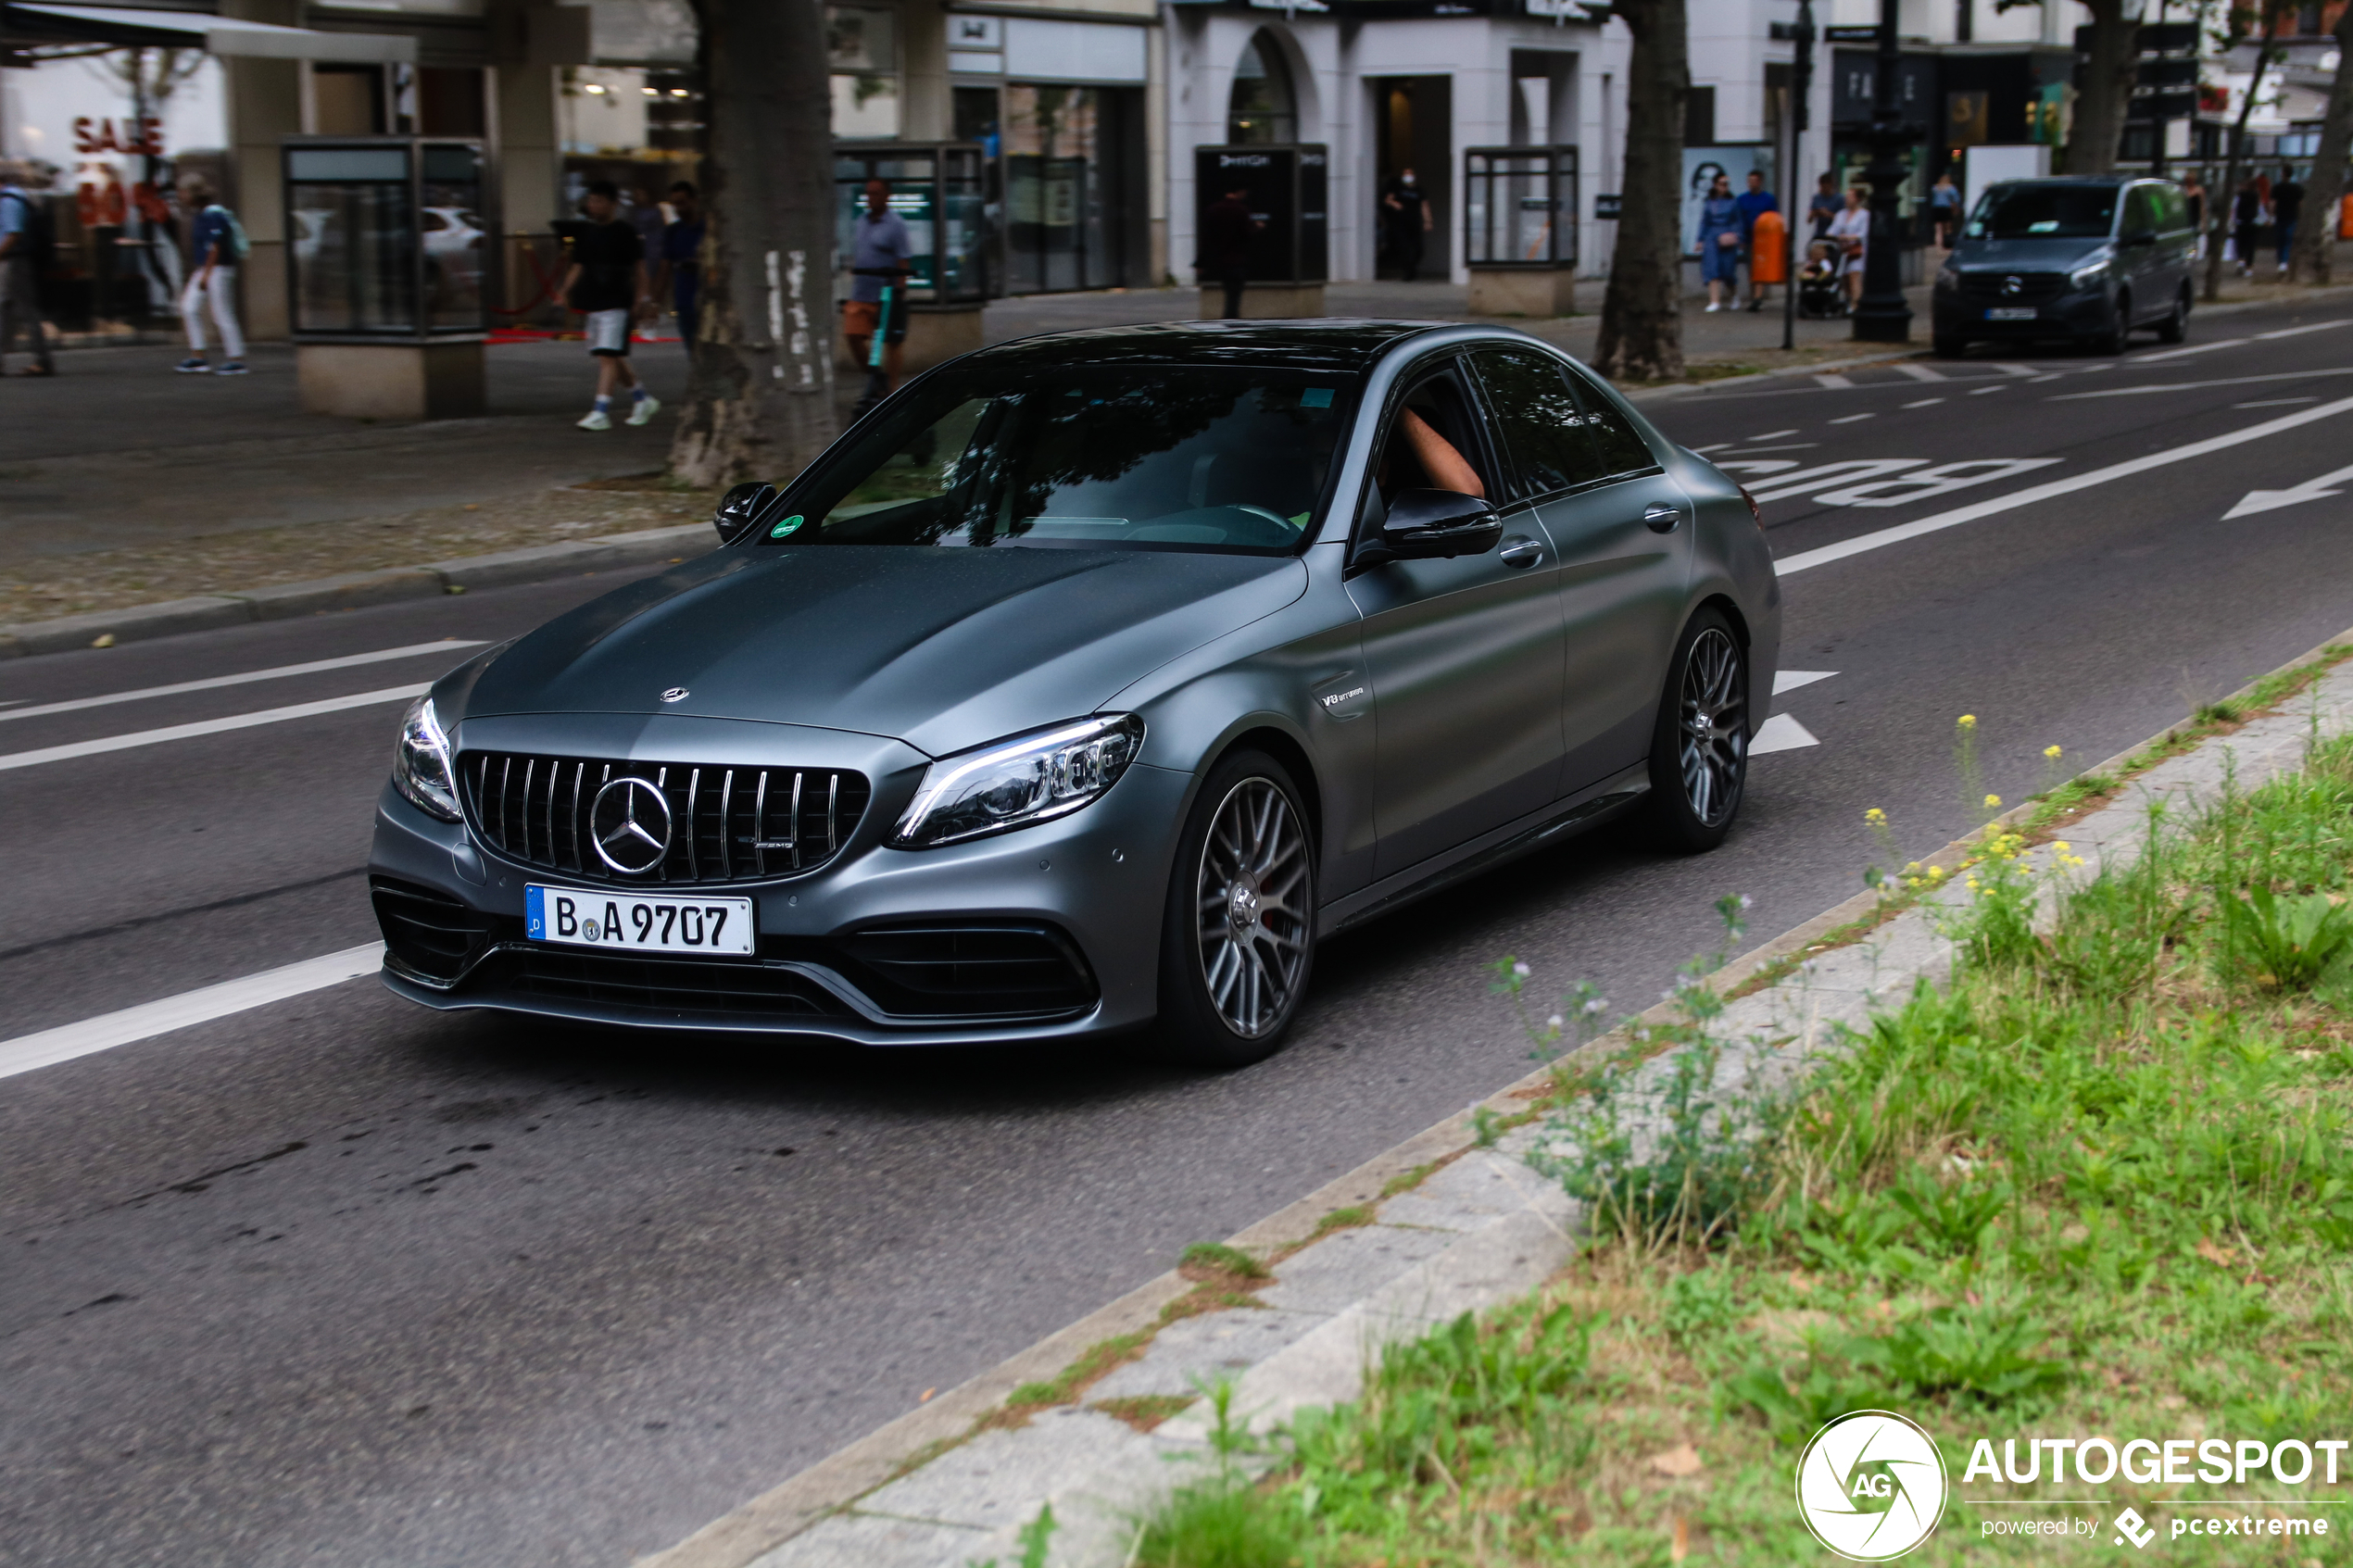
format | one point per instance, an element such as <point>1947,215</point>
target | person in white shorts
<point>606,282</point>
<point>1852,232</point>
<point>215,248</point>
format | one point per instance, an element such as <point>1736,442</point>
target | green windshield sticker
<point>784,527</point>
<point>1299,521</point>
<point>1315,397</point>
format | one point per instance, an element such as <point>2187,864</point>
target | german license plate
<point>637,922</point>
<point>2010,313</point>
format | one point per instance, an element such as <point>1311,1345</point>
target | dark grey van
<point>2092,259</point>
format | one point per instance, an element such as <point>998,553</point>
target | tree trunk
<point>759,401</point>
<point>2229,194</point>
<point>1642,335</point>
<point>2325,195</point>
<point>2108,76</point>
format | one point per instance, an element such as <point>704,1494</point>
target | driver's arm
<point>1444,465</point>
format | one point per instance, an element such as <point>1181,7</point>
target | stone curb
<point>1481,1231</point>
<point>538,563</point>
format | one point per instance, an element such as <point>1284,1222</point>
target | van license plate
<point>637,922</point>
<point>2010,313</point>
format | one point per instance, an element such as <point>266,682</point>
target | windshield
<point>2044,212</point>
<point>1168,457</point>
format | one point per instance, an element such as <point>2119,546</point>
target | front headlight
<point>1019,781</point>
<point>420,769</point>
<point>2091,272</point>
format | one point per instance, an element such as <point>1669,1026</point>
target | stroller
<point>1821,293</point>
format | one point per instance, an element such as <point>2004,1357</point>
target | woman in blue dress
<point>1719,242</point>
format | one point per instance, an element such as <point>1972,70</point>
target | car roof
<point>1324,344</point>
<point>2079,180</point>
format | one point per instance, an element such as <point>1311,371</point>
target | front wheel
<point>2113,340</point>
<point>2176,325</point>
<point>1699,749</point>
<point>1237,937</point>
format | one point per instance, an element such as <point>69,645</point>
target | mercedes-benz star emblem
<point>676,694</point>
<point>2011,284</point>
<point>629,824</point>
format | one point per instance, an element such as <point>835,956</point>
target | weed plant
<point>2099,1182</point>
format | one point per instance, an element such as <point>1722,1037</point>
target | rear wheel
<point>1237,935</point>
<point>1699,750</point>
<point>2176,325</point>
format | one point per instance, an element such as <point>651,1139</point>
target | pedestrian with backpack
<point>26,244</point>
<point>215,249</point>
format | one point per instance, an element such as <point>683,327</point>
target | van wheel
<point>2176,326</point>
<point>2113,340</point>
<point>1237,937</point>
<point>1699,749</point>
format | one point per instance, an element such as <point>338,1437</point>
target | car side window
<point>1543,431</point>
<point>2140,215</point>
<point>1621,446</point>
<point>1438,402</point>
<point>2172,208</point>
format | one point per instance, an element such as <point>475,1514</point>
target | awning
<point>27,22</point>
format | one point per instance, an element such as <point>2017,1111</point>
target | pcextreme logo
<point>1870,1485</point>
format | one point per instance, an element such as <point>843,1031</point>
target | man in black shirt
<point>605,281</point>
<point>1405,210</point>
<point>1225,231</point>
<point>2287,205</point>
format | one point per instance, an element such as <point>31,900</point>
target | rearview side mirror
<point>1431,524</point>
<point>743,509</point>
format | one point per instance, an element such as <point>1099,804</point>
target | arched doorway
<point>1262,107</point>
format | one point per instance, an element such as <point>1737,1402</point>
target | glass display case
<point>936,189</point>
<point>1519,207</point>
<point>386,238</point>
<point>1286,185</point>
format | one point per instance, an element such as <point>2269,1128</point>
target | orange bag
<point>1766,251</point>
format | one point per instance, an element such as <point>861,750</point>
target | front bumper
<point>1075,903</point>
<point>2078,313</point>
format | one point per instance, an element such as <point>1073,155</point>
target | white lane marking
<point>207,726</point>
<point>1925,403</point>
<point>1919,485</point>
<point>2011,369</point>
<point>1771,435</point>
<point>2054,375</point>
<point>1781,446</point>
<point>1851,417</point>
<point>2271,500</point>
<point>1790,680</point>
<point>1831,379</point>
<point>1806,561</point>
<point>1918,372</point>
<point>1848,470</point>
<point>1717,446</point>
<point>2299,331</point>
<point>1780,733</point>
<point>414,650</point>
<point>1756,464</point>
<point>2196,385</point>
<point>107,1031</point>
<point>1984,390</point>
<point>2186,353</point>
<point>2274,402</point>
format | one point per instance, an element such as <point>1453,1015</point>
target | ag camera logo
<point>1870,1485</point>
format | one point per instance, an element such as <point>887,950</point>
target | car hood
<point>2037,256</point>
<point>943,648</point>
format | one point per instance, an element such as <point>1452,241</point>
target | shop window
<point>862,47</point>
<point>1262,107</point>
<point>450,101</point>
<point>1699,118</point>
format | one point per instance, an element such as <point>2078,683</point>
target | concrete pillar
<point>265,104</point>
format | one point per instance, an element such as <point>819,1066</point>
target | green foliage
<point>1221,1523</point>
<point>1216,1257</point>
<point>2288,942</point>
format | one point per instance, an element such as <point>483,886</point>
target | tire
<point>1951,347</point>
<point>1237,942</point>
<point>1699,749</point>
<point>2113,340</point>
<point>2175,328</point>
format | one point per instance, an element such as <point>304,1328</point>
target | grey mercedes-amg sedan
<point>1082,687</point>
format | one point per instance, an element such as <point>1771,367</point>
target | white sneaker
<point>597,419</point>
<point>1713,309</point>
<point>647,406</point>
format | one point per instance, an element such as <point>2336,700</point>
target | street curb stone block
<point>1349,1265</point>
<point>204,613</point>
<point>995,1481</point>
<point>538,563</point>
<point>348,591</point>
<point>1204,1348</point>
<point>857,1541</point>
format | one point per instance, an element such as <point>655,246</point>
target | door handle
<point>1522,551</point>
<point>1661,520</point>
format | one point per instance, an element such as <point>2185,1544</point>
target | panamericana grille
<point>727,824</point>
<point>2033,288</point>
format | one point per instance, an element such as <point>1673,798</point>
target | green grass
<point>2100,1181</point>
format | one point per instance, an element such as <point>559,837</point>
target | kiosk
<point>387,240</point>
<point>1289,258</point>
<point>1520,229</point>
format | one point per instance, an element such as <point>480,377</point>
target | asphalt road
<point>340,1280</point>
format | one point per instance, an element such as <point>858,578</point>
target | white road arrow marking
<point>1780,733</point>
<point>2271,500</point>
<point>1790,680</point>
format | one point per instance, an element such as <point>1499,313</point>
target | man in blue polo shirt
<point>880,250</point>
<point>1753,203</point>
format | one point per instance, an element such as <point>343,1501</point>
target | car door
<point>1625,542</point>
<point>1464,656</point>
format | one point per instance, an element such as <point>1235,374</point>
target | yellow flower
<point>1972,884</point>
<point>2052,752</point>
<point>2060,844</point>
<point>1875,815</point>
<point>1936,874</point>
<point>1992,802</point>
<point>1969,721</point>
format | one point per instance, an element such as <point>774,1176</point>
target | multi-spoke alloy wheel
<point>1252,911</point>
<point>1713,720</point>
